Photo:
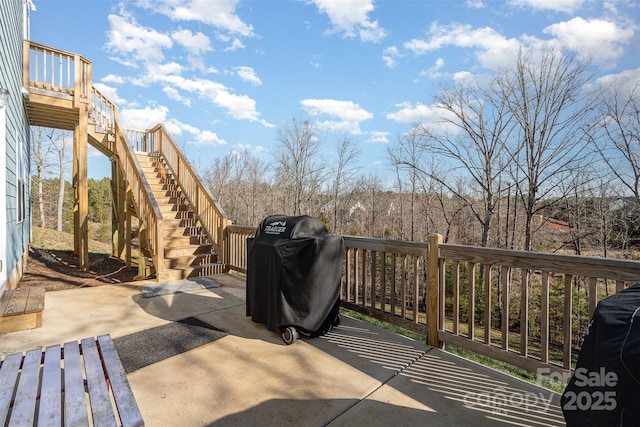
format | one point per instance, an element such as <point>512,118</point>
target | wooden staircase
<point>180,226</point>
<point>187,250</point>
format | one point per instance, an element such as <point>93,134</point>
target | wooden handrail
<point>428,288</point>
<point>149,212</point>
<point>51,69</point>
<point>209,213</point>
<point>103,113</point>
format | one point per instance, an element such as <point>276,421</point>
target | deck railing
<point>149,213</point>
<point>210,215</point>
<point>49,69</point>
<point>474,297</point>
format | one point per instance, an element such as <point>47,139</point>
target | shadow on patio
<point>355,375</point>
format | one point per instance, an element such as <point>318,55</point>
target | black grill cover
<point>293,273</point>
<point>612,345</point>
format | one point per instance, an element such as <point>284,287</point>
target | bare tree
<point>343,171</point>
<point>614,132</point>
<point>475,126</point>
<point>39,155</point>
<point>218,176</point>
<point>546,97</point>
<point>61,144</point>
<point>251,184</point>
<point>410,155</point>
<point>299,169</point>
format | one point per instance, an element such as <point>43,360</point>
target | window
<point>21,175</point>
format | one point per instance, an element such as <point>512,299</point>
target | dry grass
<point>45,238</point>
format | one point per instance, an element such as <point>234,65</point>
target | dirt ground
<point>58,270</point>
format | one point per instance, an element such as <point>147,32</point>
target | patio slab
<point>355,375</point>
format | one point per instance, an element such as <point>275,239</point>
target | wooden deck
<point>61,95</point>
<point>21,309</point>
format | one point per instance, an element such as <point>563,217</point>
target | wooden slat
<point>75,407</point>
<point>99,400</point>
<point>50,411</point>
<point>456,298</point>
<point>487,304</point>
<point>544,315</point>
<point>524,312</point>
<point>23,413</point>
<point>127,407</point>
<point>504,284</point>
<point>471,312</point>
<point>568,313</point>
<point>35,299</point>
<point>14,301</point>
<point>9,369</point>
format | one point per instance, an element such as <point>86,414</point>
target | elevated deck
<point>59,94</point>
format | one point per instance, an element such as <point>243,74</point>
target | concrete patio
<point>356,375</point>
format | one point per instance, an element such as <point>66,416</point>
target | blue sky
<point>225,75</point>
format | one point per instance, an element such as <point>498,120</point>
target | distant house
<point>15,171</point>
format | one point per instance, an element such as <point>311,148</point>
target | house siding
<point>17,234</point>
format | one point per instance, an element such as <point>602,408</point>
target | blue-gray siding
<point>15,234</point>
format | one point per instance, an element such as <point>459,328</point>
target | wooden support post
<point>119,206</point>
<point>128,237</point>
<point>81,231</point>
<point>433,288</point>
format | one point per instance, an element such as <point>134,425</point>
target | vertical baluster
<point>524,312</point>
<point>505,280</point>
<point>593,295</point>
<point>567,324</point>
<point>471,316</point>
<point>456,297</point>
<point>544,324</point>
<point>487,304</point>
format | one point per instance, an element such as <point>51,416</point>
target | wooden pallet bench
<point>70,385</point>
<point>21,309</point>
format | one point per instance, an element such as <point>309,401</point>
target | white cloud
<point>248,74</point>
<point>143,118</point>
<point>221,14</point>
<point>199,137</point>
<point>345,110</point>
<point>492,48</point>
<point>428,115</point>
<point>112,78</point>
<point>173,94</point>
<point>352,18</point>
<point>567,6</point>
<point>475,4</point>
<point>196,44</point>
<point>209,138</point>
<point>379,137</point>
<point>627,81</point>
<point>598,39</point>
<point>110,93</point>
<point>409,113</point>
<point>389,56</point>
<point>240,107</point>
<point>235,45</point>
<point>131,43</point>
<point>434,71</point>
<point>348,114</point>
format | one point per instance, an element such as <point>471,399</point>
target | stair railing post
<point>433,291</point>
